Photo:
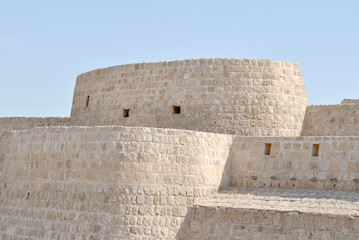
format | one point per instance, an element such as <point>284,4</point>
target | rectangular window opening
<point>267,148</point>
<point>315,150</point>
<point>88,101</point>
<point>126,112</point>
<point>176,109</point>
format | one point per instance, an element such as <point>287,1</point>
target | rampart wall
<point>332,120</point>
<point>228,223</point>
<point>302,162</point>
<point>136,183</point>
<point>106,182</point>
<point>22,123</point>
<point>240,96</point>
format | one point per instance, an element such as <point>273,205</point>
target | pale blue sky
<point>44,45</point>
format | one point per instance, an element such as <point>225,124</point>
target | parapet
<point>350,101</point>
<point>248,97</point>
<point>22,123</point>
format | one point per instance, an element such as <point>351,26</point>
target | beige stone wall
<point>21,123</point>
<point>241,96</point>
<point>4,137</point>
<point>350,101</point>
<point>291,162</point>
<point>332,120</point>
<point>219,223</point>
<point>106,182</point>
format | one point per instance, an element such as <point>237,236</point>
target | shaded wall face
<point>22,123</point>
<point>4,138</point>
<point>332,120</point>
<point>302,162</point>
<point>245,97</point>
<point>106,183</point>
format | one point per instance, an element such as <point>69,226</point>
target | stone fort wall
<point>296,162</point>
<point>106,182</point>
<point>332,120</point>
<point>240,96</point>
<point>22,123</point>
<point>144,183</point>
<point>152,181</point>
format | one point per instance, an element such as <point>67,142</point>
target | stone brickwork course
<point>22,123</point>
<point>192,149</point>
<point>106,182</point>
<point>304,162</point>
<point>332,120</point>
<point>241,96</point>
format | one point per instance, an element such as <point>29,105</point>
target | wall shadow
<point>186,225</point>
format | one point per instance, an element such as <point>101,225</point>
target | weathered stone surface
<point>21,123</point>
<point>71,182</point>
<point>332,120</point>
<point>65,178</point>
<point>242,96</point>
<point>276,214</point>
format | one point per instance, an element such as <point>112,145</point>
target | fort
<point>191,149</point>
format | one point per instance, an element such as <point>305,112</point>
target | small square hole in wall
<point>315,150</point>
<point>126,112</point>
<point>267,148</point>
<point>176,109</point>
<point>88,101</point>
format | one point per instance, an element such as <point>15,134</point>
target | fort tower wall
<point>240,96</point>
<point>106,182</point>
<point>332,120</point>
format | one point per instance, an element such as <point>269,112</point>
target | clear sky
<point>44,45</point>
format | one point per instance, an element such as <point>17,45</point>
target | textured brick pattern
<point>21,123</point>
<point>106,182</point>
<point>274,214</point>
<point>246,174</point>
<point>241,96</point>
<point>332,120</point>
<point>291,163</point>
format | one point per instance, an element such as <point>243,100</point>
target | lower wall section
<point>106,182</point>
<point>223,223</point>
<point>21,123</point>
<point>302,162</point>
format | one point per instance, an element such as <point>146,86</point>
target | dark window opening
<point>315,150</point>
<point>126,112</point>
<point>176,109</point>
<point>88,101</point>
<point>267,148</point>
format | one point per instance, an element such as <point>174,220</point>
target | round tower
<point>238,96</point>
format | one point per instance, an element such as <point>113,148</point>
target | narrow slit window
<point>267,148</point>
<point>126,113</point>
<point>176,109</point>
<point>315,150</point>
<point>88,101</point>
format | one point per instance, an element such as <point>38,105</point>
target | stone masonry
<point>192,149</point>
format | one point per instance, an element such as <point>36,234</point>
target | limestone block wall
<point>21,123</point>
<point>106,182</point>
<point>241,96</point>
<point>302,162</point>
<point>4,137</point>
<point>332,120</point>
<point>226,223</point>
